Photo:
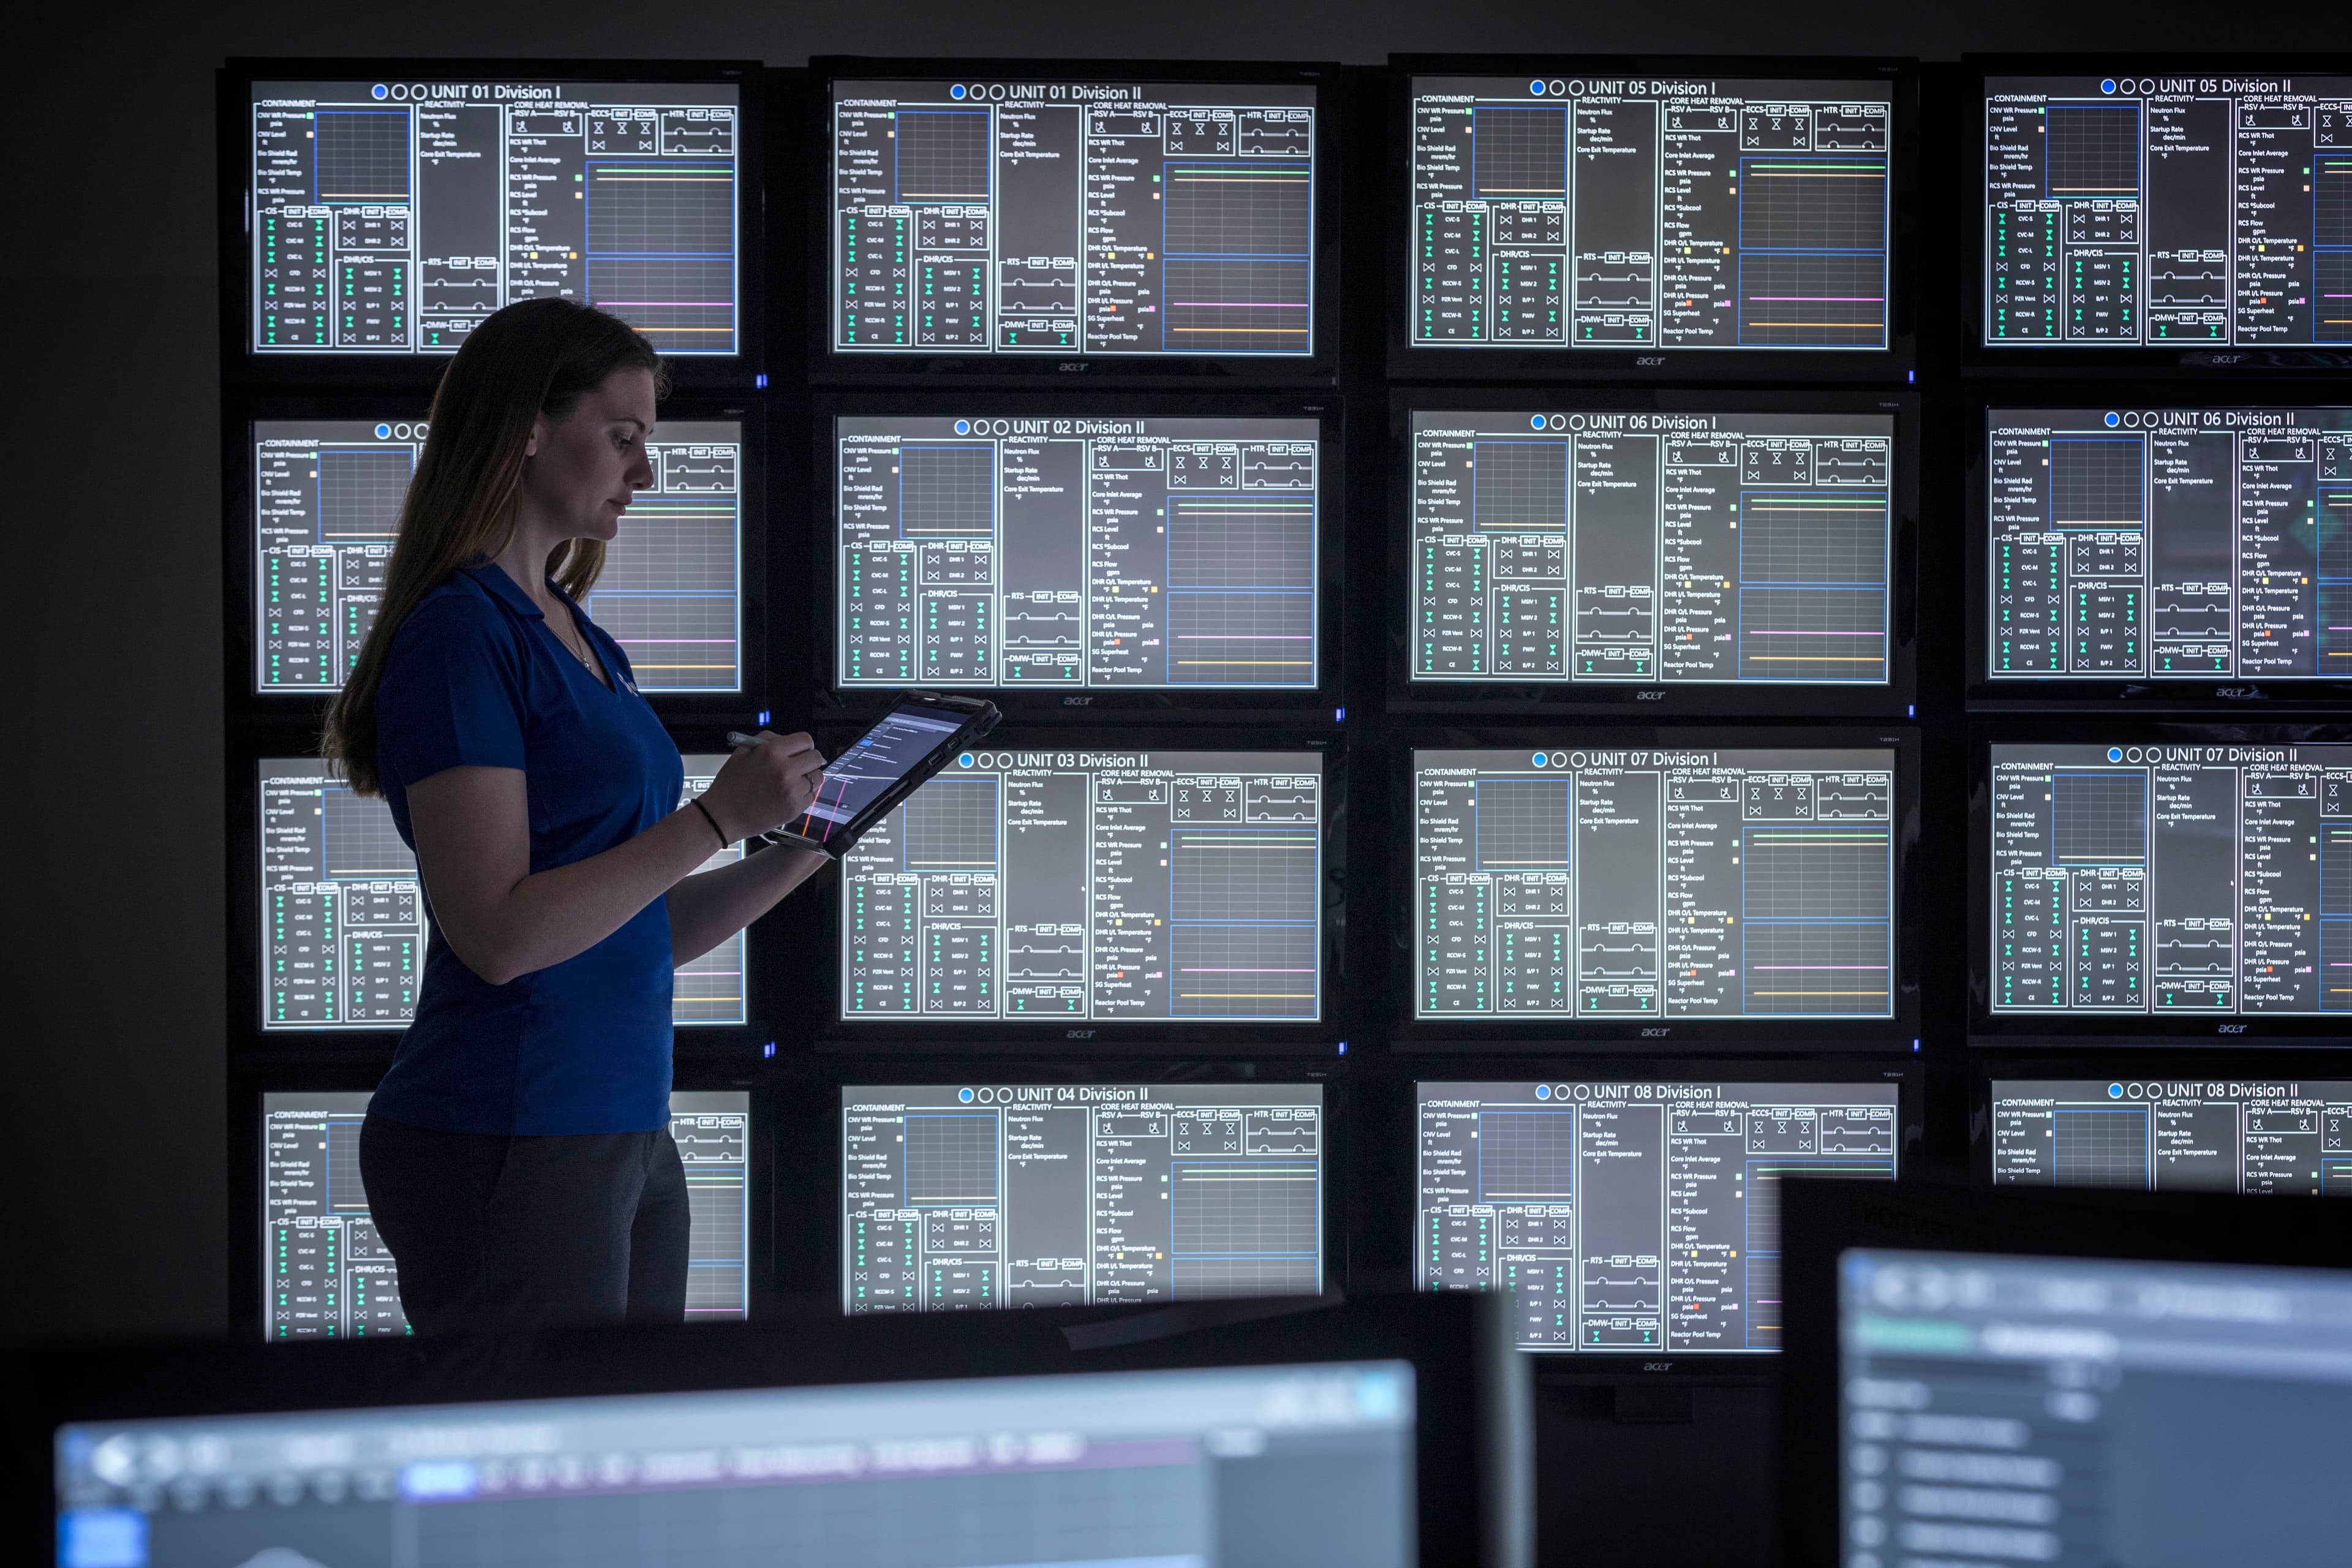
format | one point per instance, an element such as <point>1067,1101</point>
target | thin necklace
<point>586,661</point>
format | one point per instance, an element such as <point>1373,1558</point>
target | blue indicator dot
<point>2109,85</point>
<point>956,92</point>
<point>2114,753</point>
<point>963,426</point>
<point>2114,419</point>
<point>377,90</point>
<point>1536,421</point>
<point>964,761</point>
<point>2114,1091</point>
<point>382,432</point>
<point>965,1094</point>
<point>1543,1091</point>
<point>1536,88</point>
<point>1538,760</point>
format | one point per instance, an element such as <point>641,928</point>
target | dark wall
<point>115,1216</point>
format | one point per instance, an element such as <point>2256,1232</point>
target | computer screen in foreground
<point>1159,1468</point>
<point>2015,1409</point>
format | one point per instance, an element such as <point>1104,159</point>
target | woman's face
<point>580,470</point>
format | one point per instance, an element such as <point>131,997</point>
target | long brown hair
<point>537,357</point>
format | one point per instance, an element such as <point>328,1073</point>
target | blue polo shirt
<point>477,677</point>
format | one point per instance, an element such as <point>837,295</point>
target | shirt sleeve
<point>452,693</point>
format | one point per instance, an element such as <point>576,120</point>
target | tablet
<point>915,740</point>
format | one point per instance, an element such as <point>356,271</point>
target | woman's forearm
<point>708,908</point>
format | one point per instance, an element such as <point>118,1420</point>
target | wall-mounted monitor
<point>1129,551</point>
<point>1601,551</point>
<point>1149,217</point>
<point>341,912</point>
<point>2157,206</point>
<point>1585,212</point>
<point>1634,1216</point>
<point>1659,887</point>
<point>956,1196</point>
<point>385,209</point>
<point>2176,1131</point>
<point>2186,881</point>
<point>325,503</point>
<point>2148,546</point>
<point>1113,882</point>
<point>326,1273</point>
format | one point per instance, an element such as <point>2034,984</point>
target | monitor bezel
<point>251,1081</point>
<point>1823,1219</point>
<point>938,1038</point>
<point>2073,693</point>
<point>1661,1038</point>
<point>1502,699</point>
<point>1897,363</point>
<point>809,1136</point>
<point>817,613</point>
<point>2166,1065</point>
<point>768,1010</point>
<point>1977,356</point>
<point>241,413</point>
<point>1393,1120</point>
<point>2103,1031</point>
<point>829,365</point>
<point>721,374</point>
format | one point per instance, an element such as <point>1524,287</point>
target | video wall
<point>1552,681</point>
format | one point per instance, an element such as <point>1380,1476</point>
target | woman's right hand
<point>764,785</point>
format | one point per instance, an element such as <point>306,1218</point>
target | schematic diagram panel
<point>1603,885</point>
<point>326,1274</point>
<point>963,1197</point>
<point>1092,885</point>
<point>2171,878</point>
<point>2143,211</point>
<point>1078,552</point>
<point>2272,1138</point>
<point>1064,217</point>
<point>1652,548</point>
<point>393,218</point>
<point>2168,544</point>
<point>342,912</point>
<point>1627,1218</point>
<point>326,495</point>
<point>1591,213</point>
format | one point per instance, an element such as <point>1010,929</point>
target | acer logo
<point>1649,696</point>
<point>1080,1034</point>
<point>1076,701</point>
<point>1649,359</point>
<point>1071,367</point>
<point>2234,1029</point>
<point>1657,1034</point>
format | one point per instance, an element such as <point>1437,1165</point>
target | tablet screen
<point>885,755</point>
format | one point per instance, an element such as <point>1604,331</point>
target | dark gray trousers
<point>492,1232</point>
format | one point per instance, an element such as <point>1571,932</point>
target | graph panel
<point>1519,487</point>
<point>1245,304</point>
<point>1813,539</point>
<point>2097,483</point>
<point>1522,824</point>
<point>360,493</point>
<point>950,825</point>
<point>1812,203</point>
<point>361,156</point>
<point>1245,1227</point>
<point>947,491</point>
<point>943,155</point>
<point>360,840</point>
<point>1519,155</point>
<point>2094,152</point>
<point>2098,1148</point>
<point>1244,971</point>
<point>1526,1156</point>
<point>2099,818</point>
<point>952,1159</point>
<point>1801,299</point>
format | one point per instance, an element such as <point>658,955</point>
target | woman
<point>517,1156</point>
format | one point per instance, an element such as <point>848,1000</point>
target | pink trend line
<point>1816,966</point>
<point>1240,304</point>
<point>1770,633</point>
<point>1245,971</point>
<point>1820,298</point>
<point>691,304</point>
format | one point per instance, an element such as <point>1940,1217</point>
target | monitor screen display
<point>325,1273</point>
<point>2171,878</point>
<point>1651,547</point>
<point>326,495</point>
<point>1630,1217</point>
<point>1144,1470</point>
<point>1576,211</point>
<point>987,216</point>
<point>2143,211</point>
<point>1077,552</point>
<point>392,217</point>
<point>2174,1135</point>
<point>1997,1408</point>
<point>1116,886</point>
<point>1604,885</point>
<point>958,1196</point>
<point>2168,544</point>
<point>343,917</point>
